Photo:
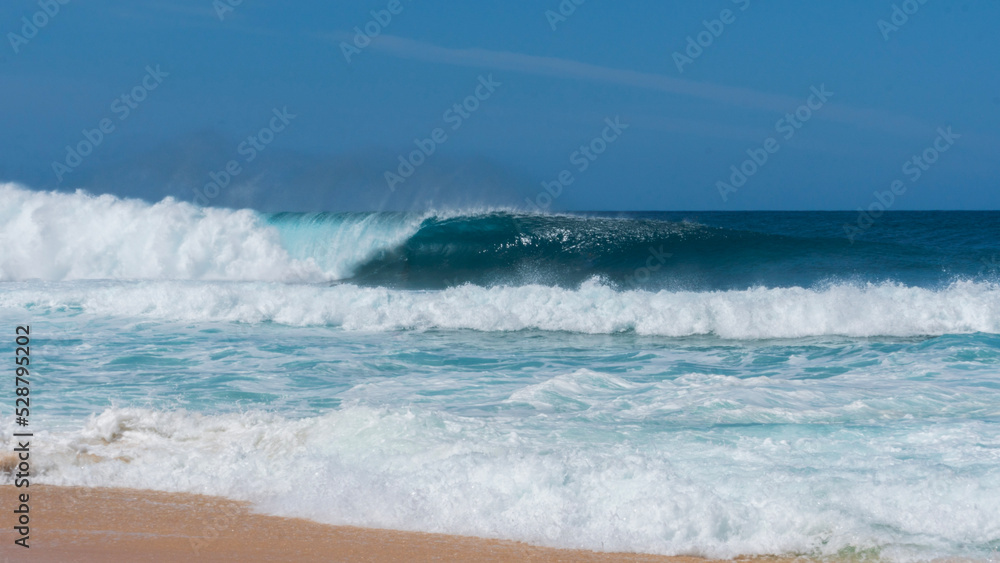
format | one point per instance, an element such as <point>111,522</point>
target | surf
<point>56,236</point>
<point>853,310</point>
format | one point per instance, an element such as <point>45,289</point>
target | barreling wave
<point>58,236</point>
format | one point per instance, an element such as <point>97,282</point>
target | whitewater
<point>673,383</point>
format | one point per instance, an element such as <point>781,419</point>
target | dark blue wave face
<point>690,251</point>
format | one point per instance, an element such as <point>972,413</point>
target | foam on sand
<point>683,492</point>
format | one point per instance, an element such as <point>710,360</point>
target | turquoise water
<point>769,388</point>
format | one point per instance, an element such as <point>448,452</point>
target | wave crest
<point>887,309</point>
<point>57,236</point>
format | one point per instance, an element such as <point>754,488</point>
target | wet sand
<point>109,524</point>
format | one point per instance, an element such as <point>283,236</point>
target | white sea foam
<point>669,492</point>
<point>577,390</point>
<point>849,310</point>
<point>891,453</point>
<point>59,236</point>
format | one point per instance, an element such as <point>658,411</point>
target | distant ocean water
<point>679,383</point>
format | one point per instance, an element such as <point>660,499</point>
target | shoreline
<point>115,524</point>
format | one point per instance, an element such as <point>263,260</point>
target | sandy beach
<point>430,280</point>
<point>108,524</point>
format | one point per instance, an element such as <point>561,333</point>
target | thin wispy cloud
<point>565,68</point>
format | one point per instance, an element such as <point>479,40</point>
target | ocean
<point>703,383</point>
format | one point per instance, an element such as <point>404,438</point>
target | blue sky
<point>218,80</point>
